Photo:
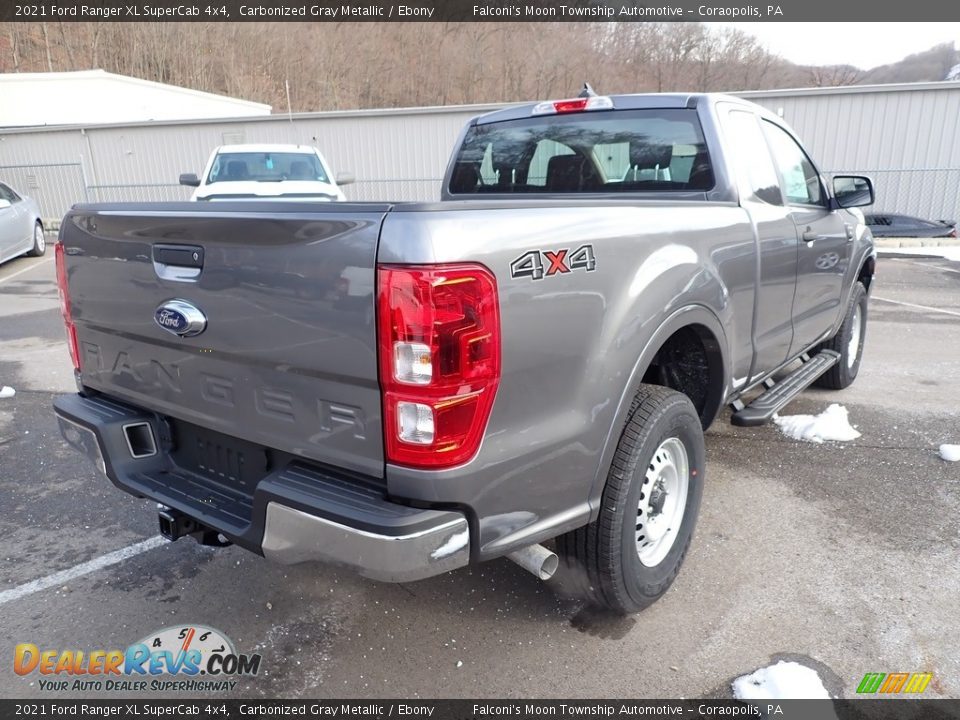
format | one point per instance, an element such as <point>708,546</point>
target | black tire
<point>601,561</point>
<point>845,372</point>
<point>39,244</point>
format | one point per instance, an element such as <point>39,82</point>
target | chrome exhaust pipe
<point>536,559</point>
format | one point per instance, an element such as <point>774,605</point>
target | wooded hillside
<point>332,66</point>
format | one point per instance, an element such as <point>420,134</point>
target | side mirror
<point>4,204</point>
<point>852,191</point>
<point>190,180</point>
<point>345,178</point>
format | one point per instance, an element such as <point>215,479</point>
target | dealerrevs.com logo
<point>191,658</point>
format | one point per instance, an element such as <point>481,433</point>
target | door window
<point>613,159</point>
<point>539,166</point>
<point>800,179</point>
<point>7,194</point>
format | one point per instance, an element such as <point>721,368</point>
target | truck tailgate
<point>287,358</point>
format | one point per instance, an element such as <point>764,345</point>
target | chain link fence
<point>139,192</point>
<point>395,190</point>
<point>58,186</point>
<point>928,193</point>
<point>925,192</point>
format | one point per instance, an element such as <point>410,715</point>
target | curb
<point>888,243</point>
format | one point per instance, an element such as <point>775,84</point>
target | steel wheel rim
<point>38,240</point>
<point>853,347</point>
<point>663,500</point>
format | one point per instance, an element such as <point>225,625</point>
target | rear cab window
<point>657,150</point>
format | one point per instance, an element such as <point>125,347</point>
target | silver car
<point>21,230</point>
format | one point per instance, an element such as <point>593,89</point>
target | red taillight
<point>439,336</point>
<point>65,308</point>
<point>953,233</point>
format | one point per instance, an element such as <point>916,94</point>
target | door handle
<point>182,263</point>
<point>187,256</point>
<point>809,235</point>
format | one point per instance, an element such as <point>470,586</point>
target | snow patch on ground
<point>456,541</point>
<point>7,392</point>
<point>832,424</point>
<point>950,453</point>
<point>949,252</point>
<point>783,681</point>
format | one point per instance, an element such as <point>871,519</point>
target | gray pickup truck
<point>405,389</point>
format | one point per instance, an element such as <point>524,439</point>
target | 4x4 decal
<point>558,262</point>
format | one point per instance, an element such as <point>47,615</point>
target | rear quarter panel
<point>574,344</point>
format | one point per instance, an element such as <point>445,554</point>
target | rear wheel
<point>848,342</point>
<point>39,242</point>
<point>628,557</point>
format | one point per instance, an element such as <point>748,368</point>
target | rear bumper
<point>293,536</point>
<point>296,513</point>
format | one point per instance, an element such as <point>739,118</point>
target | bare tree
<point>46,46</point>
<point>14,38</point>
<point>353,65</point>
<point>834,75</point>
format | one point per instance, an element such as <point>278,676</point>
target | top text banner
<point>854,11</point>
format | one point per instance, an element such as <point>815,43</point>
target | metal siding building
<point>395,154</point>
<point>906,136</point>
<point>97,96</point>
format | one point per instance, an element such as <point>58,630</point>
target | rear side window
<point>598,152</point>
<point>755,169</point>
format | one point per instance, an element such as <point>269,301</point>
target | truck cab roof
<point>266,148</point>
<point>637,101</point>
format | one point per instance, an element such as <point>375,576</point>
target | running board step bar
<point>766,405</point>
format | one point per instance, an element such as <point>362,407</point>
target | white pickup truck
<point>265,172</point>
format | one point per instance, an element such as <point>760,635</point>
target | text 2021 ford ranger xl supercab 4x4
<point>405,389</point>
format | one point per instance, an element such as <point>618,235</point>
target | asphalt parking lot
<point>842,555</point>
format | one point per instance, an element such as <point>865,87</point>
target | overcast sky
<point>864,45</point>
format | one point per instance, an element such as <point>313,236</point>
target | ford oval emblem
<point>180,318</point>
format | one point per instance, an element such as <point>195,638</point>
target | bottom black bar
<point>212,708</point>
